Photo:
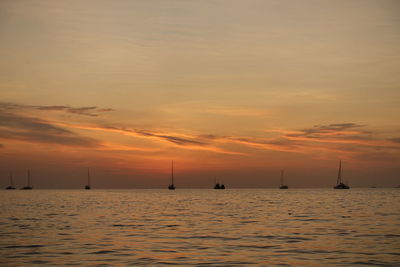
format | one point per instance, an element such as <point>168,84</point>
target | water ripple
<point>200,227</point>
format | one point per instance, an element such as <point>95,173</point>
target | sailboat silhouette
<point>339,183</point>
<point>28,186</point>
<point>218,185</point>
<point>172,186</point>
<point>11,186</point>
<point>88,187</point>
<point>283,186</point>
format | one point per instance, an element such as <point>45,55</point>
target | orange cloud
<point>180,140</point>
<point>340,138</point>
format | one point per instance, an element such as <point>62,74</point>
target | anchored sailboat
<point>11,186</point>
<point>339,183</point>
<point>283,186</point>
<point>218,185</point>
<point>28,186</point>
<point>88,187</point>
<point>172,186</point>
<point>222,186</point>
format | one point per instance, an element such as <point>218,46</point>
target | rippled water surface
<point>314,227</point>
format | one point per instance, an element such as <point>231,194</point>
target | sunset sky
<point>233,89</point>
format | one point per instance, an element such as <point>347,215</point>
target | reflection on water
<point>314,227</point>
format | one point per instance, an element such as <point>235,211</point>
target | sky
<point>237,90</point>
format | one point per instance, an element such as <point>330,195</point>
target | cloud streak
<point>396,140</point>
<point>86,111</point>
<point>347,138</point>
<point>91,111</point>
<point>179,140</point>
<point>340,133</point>
<point>340,138</point>
<point>30,129</point>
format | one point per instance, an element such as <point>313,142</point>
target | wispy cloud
<point>266,143</point>
<point>347,138</point>
<point>180,140</point>
<point>91,111</point>
<point>86,111</point>
<point>30,129</point>
<point>352,139</point>
<point>340,133</point>
<point>331,129</point>
<point>396,140</point>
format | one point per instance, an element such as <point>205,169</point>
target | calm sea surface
<point>265,227</point>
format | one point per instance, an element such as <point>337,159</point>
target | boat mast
<point>29,178</point>
<point>88,177</point>
<point>172,172</point>
<point>281,177</point>
<point>339,179</point>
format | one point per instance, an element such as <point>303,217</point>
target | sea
<point>200,227</point>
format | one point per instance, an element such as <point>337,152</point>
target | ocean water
<point>263,227</point>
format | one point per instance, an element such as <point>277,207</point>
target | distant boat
<point>339,183</point>
<point>11,186</point>
<point>283,186</point>
<point>28,186</point>
<point>218,185</point>
<point>88,187</point>
<point>172,186</point>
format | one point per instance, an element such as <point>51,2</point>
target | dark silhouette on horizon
<point>88,187</point>
<point>11,186</point>
<point>283,186</point>
<point>339,183</point>
<point>172,186</point>
<point>218,185</point>
<point>28,186</point>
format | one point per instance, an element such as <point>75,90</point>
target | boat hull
<point>26,188</point>
<point>341,186</point>
<point>219,186</point>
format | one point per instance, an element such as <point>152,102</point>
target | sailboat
<point>218,185</point>
<point>339,183</point>
<point>172,186</point>
<point>283,186</point>
<point>87,187</point>
<point>222,186</point>
<point>11,186</point>
<point>28,186</point>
